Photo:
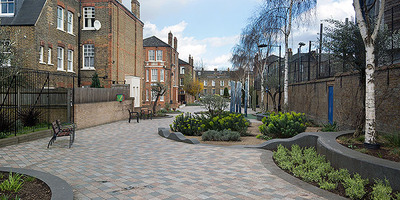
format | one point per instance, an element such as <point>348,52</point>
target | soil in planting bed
<point>31,189</point>
<point>384,152</point>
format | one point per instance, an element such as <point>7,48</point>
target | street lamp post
<point>299,52</point>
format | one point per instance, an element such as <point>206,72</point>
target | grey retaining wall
<point>342,157</point>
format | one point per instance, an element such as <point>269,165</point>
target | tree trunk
<point>262,90</point>
<point>155,104</point>
<point>370,133</point>
<point>286,78</point>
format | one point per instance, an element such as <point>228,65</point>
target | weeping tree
<point>369,23</point>
<point>278,16</point>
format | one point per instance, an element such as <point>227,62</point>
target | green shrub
<point>355,187</point>
<point>226,120</point>
<point>326,185</point>
<point>215,104</point>
<point>381,191</point>
<point>8,197</point>
<point>329,127</point>
<point>263,137</point>
<point>187,125</point>
<point>225,135</point>
<point>397,196</point>
<point>283,125</point>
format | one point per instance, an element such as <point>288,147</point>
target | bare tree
<point>369,24</point>
<point>159,90</point>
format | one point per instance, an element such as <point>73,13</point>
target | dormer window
<point>7,7</point>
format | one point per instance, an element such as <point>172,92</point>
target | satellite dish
<point>97,25</point>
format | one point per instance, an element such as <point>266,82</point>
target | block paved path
<point>125,160</point>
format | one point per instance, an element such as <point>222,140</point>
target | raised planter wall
<point>25,138</point>
<point>342,157</point>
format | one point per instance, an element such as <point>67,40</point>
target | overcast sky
<point>209,29</point>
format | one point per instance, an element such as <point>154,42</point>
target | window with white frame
<point>41,52</point>
<point>49,56</point>
<point>151,55</point>
<point>221,92</point>
<point>60,18</point>
<point>205,83</point>
<point>7,7</point>
<point>147,75</point>
<point>60,58</point>
<point>212,83</point>
<point>182,71</point>
<point>159,55</point>
<point>162,75</point>
<point>147,95</point>
<point>88,18</point>
<point>154,75</point>
<point>222,83</point>
<point>6,50</point>
<point>70,22</point>
<point>70,59</point>
<point>181,82</point>
<point>199,73</point>
<point>88,56</point>
<point>213,91</point>
<point>205,91</point>
<point>162,98</point>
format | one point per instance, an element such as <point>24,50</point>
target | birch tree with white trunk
<point>369,24</point>
<point>283,13</point>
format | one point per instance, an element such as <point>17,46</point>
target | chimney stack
<point>170,38</point>
<point>175,44</point>
<point>135,8</point>
<point>290,53</point>
<point>190,60</point>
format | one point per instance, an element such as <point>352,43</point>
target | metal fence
<point>31,99</point>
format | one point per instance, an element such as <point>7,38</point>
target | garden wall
<point>312,98</point>
<point>93,114</point>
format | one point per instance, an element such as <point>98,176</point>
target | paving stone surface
<point>125,160</point>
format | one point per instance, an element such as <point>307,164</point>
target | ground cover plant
<point>311,167</point>
<point>225,135</point>
<point>283,125</point>
<point>15,186</point>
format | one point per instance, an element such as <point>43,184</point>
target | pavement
<point>125,160</point>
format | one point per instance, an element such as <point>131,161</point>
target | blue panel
<point>330,105</point>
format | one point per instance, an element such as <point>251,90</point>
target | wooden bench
<point>133,114</point>
<point>60,130</point>
<point>145,113</point>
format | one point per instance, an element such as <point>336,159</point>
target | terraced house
<point>185,72</point>
<point>161,65</point>
<point>80,37</point>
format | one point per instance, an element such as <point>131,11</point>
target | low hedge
<point>225,135</point>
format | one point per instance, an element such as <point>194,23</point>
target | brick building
<point>161,65</point>
<point>78,37</point>
<point>214,82</point>
<point>44,34</point>
<point>185,72</point>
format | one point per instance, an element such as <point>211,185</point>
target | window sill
<point>7,15</point>
<point>61,70</point>
<point>43,63</point>
<point>60,29</point>
<point>70,71</point>
<point>88,29</point>
<point>51,64</point>
<point>71,34</point>
<point>88,69</point>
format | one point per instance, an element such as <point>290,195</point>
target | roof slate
<point>182,62</point>
<point>27,13</point>
<point>153,41</point>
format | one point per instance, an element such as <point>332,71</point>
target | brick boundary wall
<point>312,98</point>
<point>94,114</point>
